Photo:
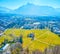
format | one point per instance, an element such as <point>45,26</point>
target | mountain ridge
<point>4,10</point>
<point>31,9</point>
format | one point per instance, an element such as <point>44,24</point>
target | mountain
<point>4,10</point>
<point>31,9</point>
<point>58,9</point>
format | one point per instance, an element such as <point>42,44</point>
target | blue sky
<point>13,4</point>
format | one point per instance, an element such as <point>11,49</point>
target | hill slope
<point>42,38</point>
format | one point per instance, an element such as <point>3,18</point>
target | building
<point>5,49</point>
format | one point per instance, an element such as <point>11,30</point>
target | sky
<point>14,4</point>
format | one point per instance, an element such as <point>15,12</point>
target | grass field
<point>42,38</point>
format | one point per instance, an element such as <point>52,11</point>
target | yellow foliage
<point>42,38</point>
